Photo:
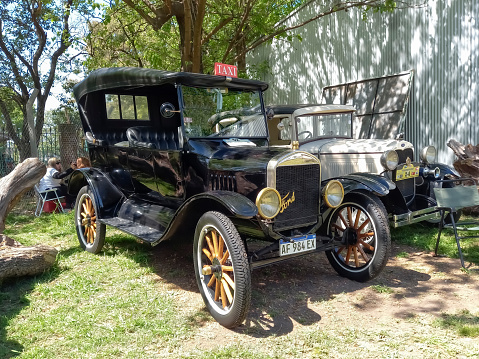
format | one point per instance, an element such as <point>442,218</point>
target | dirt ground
<point>307,291</point>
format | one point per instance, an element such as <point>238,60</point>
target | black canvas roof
<point>121,77</point>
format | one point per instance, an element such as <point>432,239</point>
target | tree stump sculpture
<point>467,164</point>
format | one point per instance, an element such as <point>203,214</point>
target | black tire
<point>90,232</point>
<point>361,223</point>
<point>222,270</point>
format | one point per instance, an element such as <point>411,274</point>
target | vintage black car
<point>187,156</point>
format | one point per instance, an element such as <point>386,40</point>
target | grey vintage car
<point>328,132</point>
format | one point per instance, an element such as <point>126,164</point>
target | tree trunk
<point>16,183</point>
<point>17,260</point>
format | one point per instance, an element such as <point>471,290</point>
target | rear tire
<point>222,269</point>
<point>361,224</point>
<point>90,232</point>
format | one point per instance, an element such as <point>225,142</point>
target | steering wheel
<point>310,134</point>
<point>233,118</point>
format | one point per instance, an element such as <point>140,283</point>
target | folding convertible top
<point>120,77</point>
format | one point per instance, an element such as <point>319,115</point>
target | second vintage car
<point>186,156</point>
<point>327,131</point>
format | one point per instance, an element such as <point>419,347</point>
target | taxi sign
<point>226,70</point>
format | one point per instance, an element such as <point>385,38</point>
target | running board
<point>145,233</point>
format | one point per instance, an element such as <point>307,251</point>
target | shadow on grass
<point>424,235</point>
<point>284,294</point>
<point>13,298</point>
<point>465,323</point>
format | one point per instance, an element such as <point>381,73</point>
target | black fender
<point>231,204</point>
<point>108,197</point>
<point>445,169</point>
<point>370,182</point>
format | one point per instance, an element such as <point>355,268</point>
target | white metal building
<point>439,41</point>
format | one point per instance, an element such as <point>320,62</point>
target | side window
<point>126,107</point>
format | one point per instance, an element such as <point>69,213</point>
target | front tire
<point>90,232</point>
<point>222,270</point>
<point>361,224</point>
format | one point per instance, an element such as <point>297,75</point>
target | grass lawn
<point>113,305</point>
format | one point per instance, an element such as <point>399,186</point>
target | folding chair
<point>50,195</point>
<point>449,201</point>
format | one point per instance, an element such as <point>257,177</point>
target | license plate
<point>297,245</point>
<point>406,171</point>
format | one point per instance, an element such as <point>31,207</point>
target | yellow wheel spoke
<point>210,245</point>
<point>350,215</point>
<point>358,214</point>
<point>367,245</point>
<point>348,255</point>
<point>367,234</point>
<point>338,227</point>
<point>356,258</point>
<point>220,247</point>
<point>342,219</point>
<point>223,295</point>
<point>217,290</point>
<point>84,208</point>
<point>365,223</point>
<point>363,254</point>
<point>211,282</point>
<point>227,268</point>
<point>208,254</point>
<point>215,244</point>
<point>225,257</point>
<point>229,280</point>
<point>226,289</point>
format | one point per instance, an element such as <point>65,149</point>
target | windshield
<point>328,125</point>
<point>223,112</point>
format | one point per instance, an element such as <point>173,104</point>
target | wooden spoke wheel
<point>222,269</point>
<point>361,225</point>
<point>91,233</point>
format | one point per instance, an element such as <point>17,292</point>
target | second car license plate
<point>297,245</point>
<point>406,171</point>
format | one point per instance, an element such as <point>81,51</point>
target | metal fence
<point>63,141</point>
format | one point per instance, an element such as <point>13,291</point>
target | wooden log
<point>12,187</point>
<point>17,260</point>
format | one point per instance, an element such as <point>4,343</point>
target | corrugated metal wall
<point>440,41</point>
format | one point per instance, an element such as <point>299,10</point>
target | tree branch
<point>239,29</point>
<point>8,122</point>
<point>13,64</point>
<point>218,27</point>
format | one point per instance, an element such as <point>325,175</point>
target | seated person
<point>83,162</point>
<point>53,177</point>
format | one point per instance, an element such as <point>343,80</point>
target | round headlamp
<point>268,202</point>
<point>333,193</point>
<point>390,160</point>
<point>428,154</point>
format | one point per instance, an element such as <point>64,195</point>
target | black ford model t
<point>181,155</point>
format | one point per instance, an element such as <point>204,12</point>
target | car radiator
<point>299,187</point>
<point>407,186</point>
